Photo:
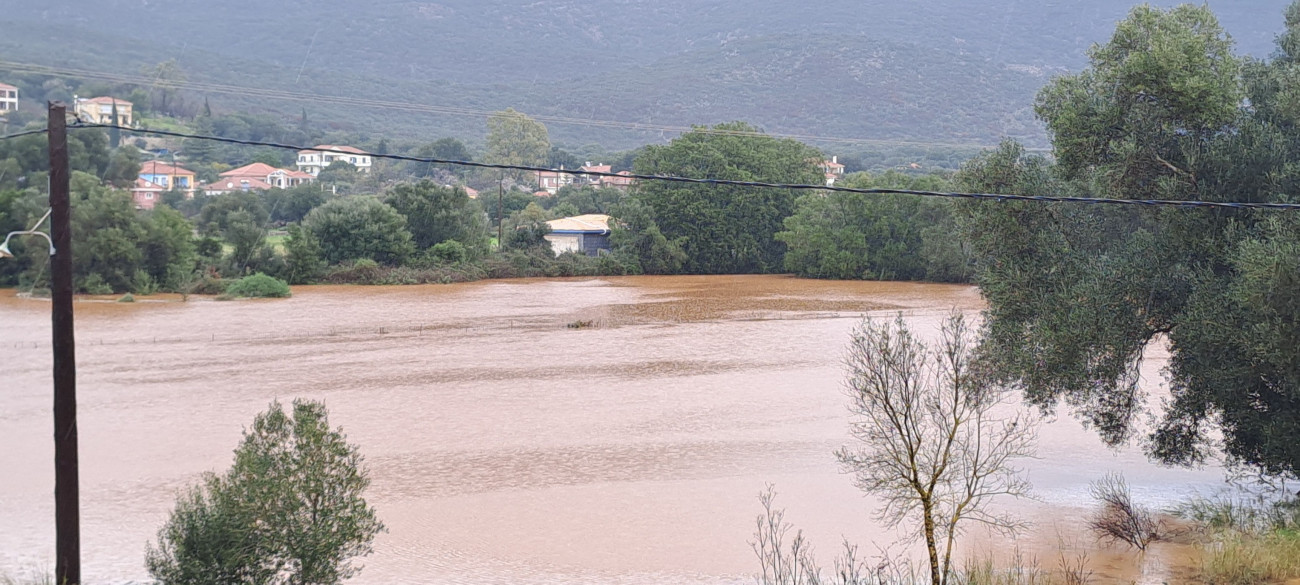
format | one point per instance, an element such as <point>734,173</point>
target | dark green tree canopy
<point>725,229</point>
<point>361,227</point>
<point>1078,294</point>
<point>435,214</point>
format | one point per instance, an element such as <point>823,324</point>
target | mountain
<point>949,71</point>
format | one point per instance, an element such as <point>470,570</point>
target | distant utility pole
<point>67,513</point>
<point>501,221</point>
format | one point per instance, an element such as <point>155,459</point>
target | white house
<point>8,99</point>
<point>313,161</point>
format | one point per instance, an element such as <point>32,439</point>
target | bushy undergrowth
<point>258,286</point>
<point>508,264</point>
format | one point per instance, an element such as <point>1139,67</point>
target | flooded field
<point>506,446</point>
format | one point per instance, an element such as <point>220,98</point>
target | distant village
<point>583,234</point>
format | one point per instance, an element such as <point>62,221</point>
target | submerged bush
<point>258,285</point>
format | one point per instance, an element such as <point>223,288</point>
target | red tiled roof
<point>238,184</point>
<point>297,174</point>
<point>324,147</point>
<point>6,86</point>
<point>154,167</point>
<point>542,194</point>
<point>107,100</point>
<point>598,169</point>
<point>252,170</point>
<point>145,185</point>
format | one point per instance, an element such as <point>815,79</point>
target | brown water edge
<point>504,446</point>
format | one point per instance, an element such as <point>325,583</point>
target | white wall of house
<point>561,243</point>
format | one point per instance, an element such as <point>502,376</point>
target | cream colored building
<point>100,111</point>
<point>315,160</point>
<point>8,99</point>
<point>581,234</point>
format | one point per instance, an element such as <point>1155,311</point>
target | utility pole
<point>67,513</point>
<point>501,198</point>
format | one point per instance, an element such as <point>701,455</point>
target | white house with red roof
<point>833,169</point>
<point>552,181</point>
<point>315,160</point>
<point>256,177</point>
<point>99,110</point>
<point>8,99</point>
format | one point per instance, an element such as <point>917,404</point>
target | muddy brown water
<point>507,447</point>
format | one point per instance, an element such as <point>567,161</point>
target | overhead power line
<point>24,133</point>
<point>728,182</point>
<point>436,109</point>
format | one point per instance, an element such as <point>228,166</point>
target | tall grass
<point>1252,559</point>
<point>31,578</point>
<point>1248,541</point>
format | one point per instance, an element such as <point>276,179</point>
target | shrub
<point>259,285</point>
<point>127,298</point>
<point>289,510</point>
<point>1120,519</point>
<point>449,252</point>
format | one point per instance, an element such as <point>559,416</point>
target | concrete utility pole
<point>67,513</point>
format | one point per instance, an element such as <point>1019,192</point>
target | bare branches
<point>1120,519</point>
<point>931,446</point>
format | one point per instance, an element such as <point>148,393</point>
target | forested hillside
<point>950,71</point>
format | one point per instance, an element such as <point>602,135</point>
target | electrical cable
<point>24,133</point>
<point>727,182</point>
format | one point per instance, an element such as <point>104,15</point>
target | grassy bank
<point>1247,542</point>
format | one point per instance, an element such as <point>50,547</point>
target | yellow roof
<point>593,222</point>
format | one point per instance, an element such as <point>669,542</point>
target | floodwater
<point>507,447</point>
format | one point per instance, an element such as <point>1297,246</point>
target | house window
<point>148,195</point>
<point>352,159</point>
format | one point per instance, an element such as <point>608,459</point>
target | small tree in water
<point>931,446</point>
<point>289,511</point>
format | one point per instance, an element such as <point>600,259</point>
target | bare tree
<point>930,443</point>
<point>1120,519</point>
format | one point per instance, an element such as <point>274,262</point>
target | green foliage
<point>583,199</point>
<point>289,510</point>
<point>637,238</point>
<point>293,204</point>
<point>527,229</point>
<point>1077,294</point>
<point>302,256</point>
<point>436,214</point>
<point>215,217</point>
<point>882,237</point>
<point>726,229</point>
<point>449,252</point>
<point>516,139</point>
<point>117,249</point>
<point>258,286</point>
<point>361,227</point>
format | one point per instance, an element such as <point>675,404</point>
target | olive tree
<point>931,440</point>
<point>290,511</point>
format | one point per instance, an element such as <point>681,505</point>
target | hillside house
<point>100,111</point>
<point>8,99</point>
<point>582,234</point>
<point>256,177</point>
<point>594,180</point>
<point>315,160</point>
<point>622,181</point>
<point>168,176</point>
<point>552,181</point>
<point>146,194</point>
<point>833,169</point>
